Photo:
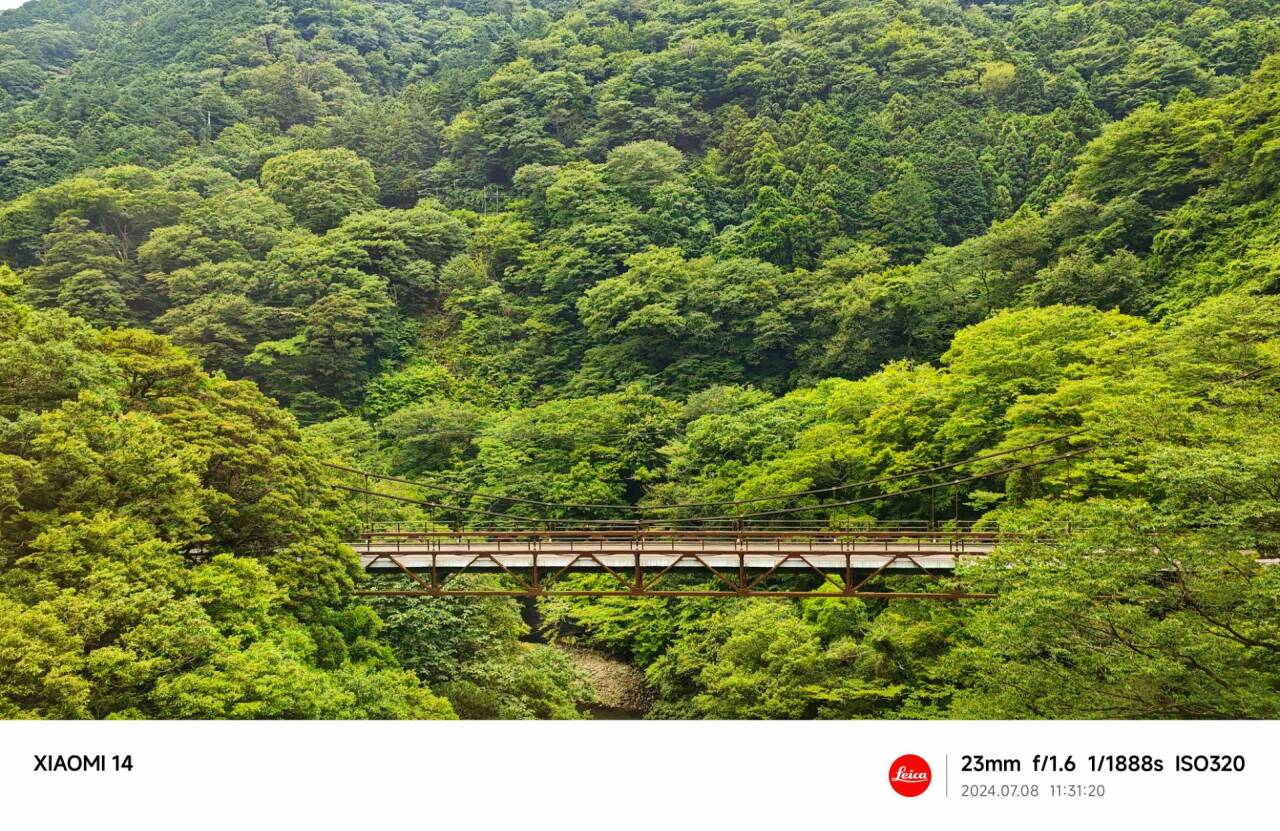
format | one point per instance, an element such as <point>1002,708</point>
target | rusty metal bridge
<point>643,562</point>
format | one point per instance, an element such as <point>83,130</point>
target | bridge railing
<point>653,526</point>
<point>651,541</point>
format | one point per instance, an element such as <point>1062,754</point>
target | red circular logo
<point>910,775</point>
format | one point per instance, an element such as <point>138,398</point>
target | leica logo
<point>910,775</point>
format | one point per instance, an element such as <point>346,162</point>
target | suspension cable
<point>474,494</point>
<point>1260,371</point>
<point>920,489</point>
<point>440,506</point>
<point>757,514</point>
<point>724,502</point>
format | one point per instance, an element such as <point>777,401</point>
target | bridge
<point>641,561</point>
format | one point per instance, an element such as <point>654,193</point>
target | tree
<point>963,205</point>
<point>641,166</point>
<point>905,216</point>
<point>144,459</point>
<point>407,247</point>
<point>1184,628</point>
<point>683,323</point>
<point>764,663</point>
<point>320,187</point>
<point>470,650</point>
<point>94,296</point>
<point>220,329</point>
<point>31,160</point>
<point>81,271</point>
<point>433,434</point>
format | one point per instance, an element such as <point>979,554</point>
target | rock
<point>618,685</point>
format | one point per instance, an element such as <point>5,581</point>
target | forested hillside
<point>618,251</point>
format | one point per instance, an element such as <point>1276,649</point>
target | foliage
<point>320,187</point>
<point>624,255</point>
<point>1111,626</point>
<point>470,650</point>
<point>121,461</point>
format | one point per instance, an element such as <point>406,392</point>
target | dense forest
<point>640,252</point>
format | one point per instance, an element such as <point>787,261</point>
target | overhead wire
<point>437,505</point>
<point>717,503</point>
<point>756,515</point>
<point>922,488</point>
<point>775,512</point>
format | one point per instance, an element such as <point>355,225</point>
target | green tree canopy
<point>320,187</point>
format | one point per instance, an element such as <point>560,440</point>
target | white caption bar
<point>643,775</point>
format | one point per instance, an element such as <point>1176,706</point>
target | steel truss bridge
<point>641,562</point>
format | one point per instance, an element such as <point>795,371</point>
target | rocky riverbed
<point>619,687</point>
